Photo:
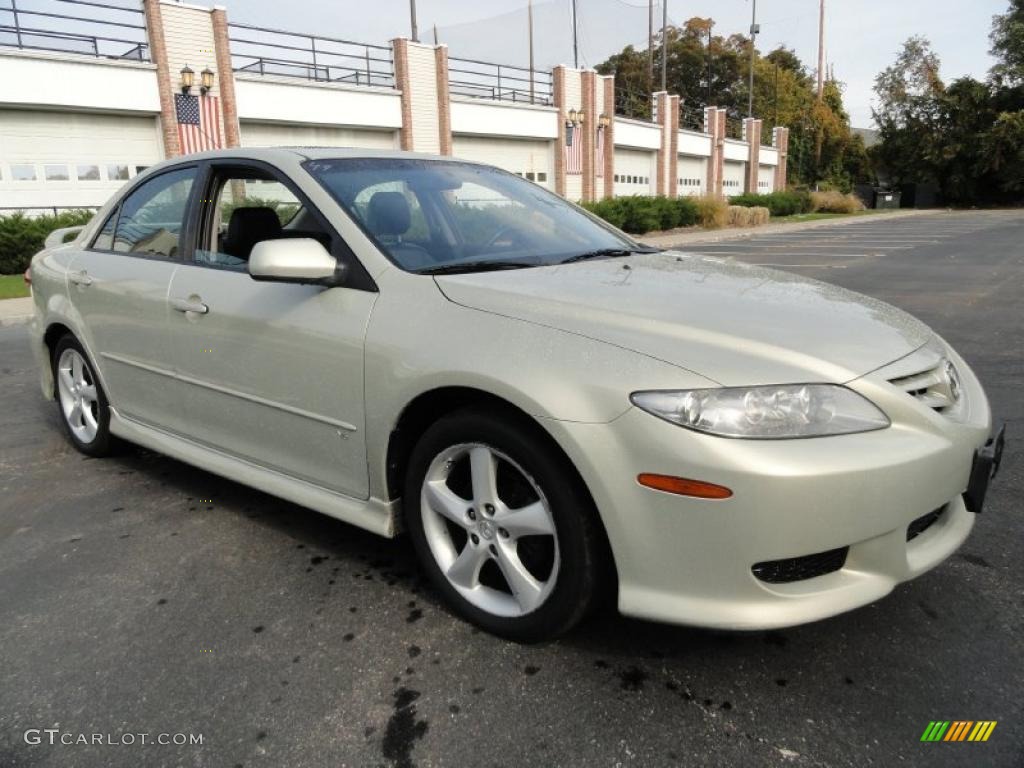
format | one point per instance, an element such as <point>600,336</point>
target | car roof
<point>311,153</point>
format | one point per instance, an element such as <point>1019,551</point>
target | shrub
<point>712,212</point>
<point>783,203</point>
<point>21,236</point>
<point>835,202</point>
<point>639,214</point>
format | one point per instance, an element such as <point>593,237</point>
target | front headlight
<point>784,411</point>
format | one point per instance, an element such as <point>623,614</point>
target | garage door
<point>71,159</point>
<point>281,135</point>
<point>766,179</point>
<point>529,158</point>
<point>635,172</point>
<point>692,175</point>
<point>732,178</point>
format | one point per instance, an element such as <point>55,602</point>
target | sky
<point>862,36</point>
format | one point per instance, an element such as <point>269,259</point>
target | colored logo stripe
<point>958,730</point>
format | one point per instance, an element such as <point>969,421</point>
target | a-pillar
<point>421,77</point>
<point>780,140</point>
<point>752,135</point>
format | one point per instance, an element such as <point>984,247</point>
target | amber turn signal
<point>684,487</point>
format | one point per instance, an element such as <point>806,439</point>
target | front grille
<point>923,523</point>
<point>931,387</point>
<point>800,568</point>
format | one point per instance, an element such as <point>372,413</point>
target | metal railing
<point>88,27</point>
<point>267,51</point>
<point>691,118</point>
<point>500,82</point>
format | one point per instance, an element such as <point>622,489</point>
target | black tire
<point>579,539</point>
<point>102,443</point>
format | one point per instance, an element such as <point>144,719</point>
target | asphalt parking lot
<point>140,595</point>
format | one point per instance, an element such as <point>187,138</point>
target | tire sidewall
<point>570,508</point>
<point>99,445</point>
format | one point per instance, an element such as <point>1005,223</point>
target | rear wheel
<point>502,525</point>
<point>84,410</point>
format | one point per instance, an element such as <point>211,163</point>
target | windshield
<point>438,216</point>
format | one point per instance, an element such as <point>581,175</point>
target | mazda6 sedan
<point>552,411</point>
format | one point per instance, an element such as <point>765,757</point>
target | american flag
<point>573,149</point>
<point>198,122</point>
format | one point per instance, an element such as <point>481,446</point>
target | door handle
<point>188,305</point>
<point>80,278</point>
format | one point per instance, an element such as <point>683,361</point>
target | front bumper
<point>687,560</point>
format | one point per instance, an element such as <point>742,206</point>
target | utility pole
<point>664,45</point>
<point>529,18</point>
<point>412,17</point>
<point>650,45</point>
<point>754,29</point>
<point>435,34</point>
<point>575,39</point>
<point>776,121</point>
<point>821,51</point>
<point>711,23</point>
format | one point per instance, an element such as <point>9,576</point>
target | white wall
<point>67,140</point>
<point>267,99</point>
<point>426,135</point>
<point>530,158</point>
<point>769,156</point>
<point>696,144</point>
<point>634,133</point>
<point>736,150</point>
<point>256,134</point>
<point>497,118</point>
<point>38,80</point>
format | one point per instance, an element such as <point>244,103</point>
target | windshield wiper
<point>482,265</point>
<point>606,253</point>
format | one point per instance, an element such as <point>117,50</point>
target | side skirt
<point>375,515</point>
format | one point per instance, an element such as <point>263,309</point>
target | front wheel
<point>502,525</point>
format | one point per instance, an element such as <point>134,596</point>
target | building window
<point>56,172</point>
<point>530,176</point>
<point>88,173</point>
<point>23,172</point>
<point>140,168</point>
<point>117,172</point>
<point>542,176</point>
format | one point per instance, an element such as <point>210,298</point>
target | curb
<point>16,311</point>
<point>15,320</point>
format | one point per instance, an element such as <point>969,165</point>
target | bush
<point>22,237</point>
<point>783,203</point>
<point>835,202</point>
<point>639,214</point>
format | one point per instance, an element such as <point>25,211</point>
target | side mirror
<point>294,260</point>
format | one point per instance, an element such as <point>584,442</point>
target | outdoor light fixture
<point>572,117</point>
<point>187,79</point>
<point>205,80</point>
<point>603,120</point>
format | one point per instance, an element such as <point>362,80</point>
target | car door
<point>268,372</point>
<point>118,286</point>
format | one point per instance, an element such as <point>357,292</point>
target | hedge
<point>785,203</point>
<point>639,214</point>
<point>22,237</point>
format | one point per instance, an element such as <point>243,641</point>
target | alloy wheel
<point>79,401</point>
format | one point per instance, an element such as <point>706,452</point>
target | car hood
<point>727,321</point>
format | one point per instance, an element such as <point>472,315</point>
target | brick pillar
<point>558,97</point>
<point>226,78</point>
<point>158,52</point>
<point>588,82</point>
<point>673,146</point>
<point>400,54</point>
<point>444,104</point>
<point>609,136</point>
<point>780,140</point>
<point>752,135</point>
<point>720,159</point>
<point>714,126</point>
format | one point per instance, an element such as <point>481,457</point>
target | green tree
<point>1008,44</point>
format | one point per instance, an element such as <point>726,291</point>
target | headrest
<point>249,226</point>
<point>388,214</point>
